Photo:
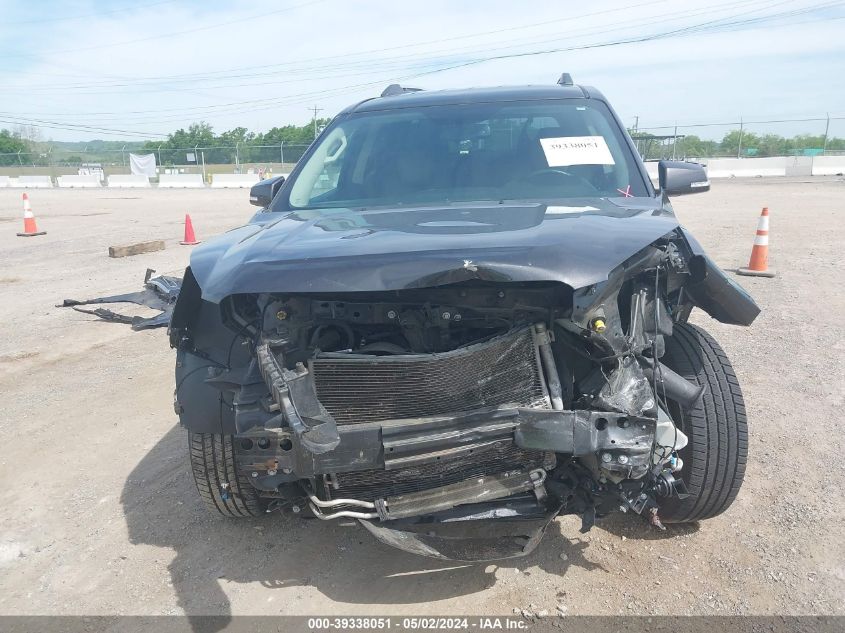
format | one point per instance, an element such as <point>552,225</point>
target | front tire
<point>717,428</point>
<point>223,489</point>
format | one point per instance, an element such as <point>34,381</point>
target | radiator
<point>503,370</point>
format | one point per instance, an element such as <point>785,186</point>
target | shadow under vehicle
<point>463,314</point>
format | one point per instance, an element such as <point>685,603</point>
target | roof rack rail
<point>565,80</point>
<point>396,89</point>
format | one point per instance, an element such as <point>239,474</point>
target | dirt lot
<point>100,515</point>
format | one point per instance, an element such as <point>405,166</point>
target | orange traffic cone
<point>758,265</point>
<point>190,238</point>
<point>29,226</point>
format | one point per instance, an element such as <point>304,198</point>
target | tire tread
<point>212,458</point>
<point>717,427</point>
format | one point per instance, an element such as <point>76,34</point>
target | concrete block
<point>180,181</point>
<point>81,182</point>
<point>799,166</point>
<point>746,167</point>
<point>828,166</point>
<point>35,182</point>
<point>651,168</point>
<point>233,181</point>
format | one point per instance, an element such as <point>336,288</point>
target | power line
<point>216,109</point>
<point>315,109</point>
<point>709,26</point>
<point>267,103</point>
<point>345,56</point>
<point>315,63</point>
<point>172,34</point>
<point>75,127</point>
<point>43,20</point>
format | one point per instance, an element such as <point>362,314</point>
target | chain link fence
<point>240,158</point>
<point>735,139</point>
<point>741,139</point>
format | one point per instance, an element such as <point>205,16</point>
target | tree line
<point>288,142</point>
<point>736,142</point>
<point>238,144</point>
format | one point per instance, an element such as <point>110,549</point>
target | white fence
<point>5,181</point>
<point>124,181</point>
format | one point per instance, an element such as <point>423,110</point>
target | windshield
<point>534,150</point>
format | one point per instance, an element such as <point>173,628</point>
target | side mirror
<point>678,178</point>
<point>262,193</point>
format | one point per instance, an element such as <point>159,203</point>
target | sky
<point>134,70</point>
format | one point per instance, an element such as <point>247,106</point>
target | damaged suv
<point>463,314</point>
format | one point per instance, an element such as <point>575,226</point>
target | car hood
<point>577,243</point>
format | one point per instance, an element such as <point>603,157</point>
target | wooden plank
<point>136,249</point>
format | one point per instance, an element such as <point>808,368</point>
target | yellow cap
<point>599,325</point>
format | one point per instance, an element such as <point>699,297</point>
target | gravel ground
<point>100,515</point>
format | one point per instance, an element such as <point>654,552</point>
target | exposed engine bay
<point>476,400</point>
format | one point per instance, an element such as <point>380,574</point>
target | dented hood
<point>343,250</point>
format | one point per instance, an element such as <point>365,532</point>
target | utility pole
<point>315,109</point>
<point>635,130</point>
<point>674,141</point>
<point>739,147</point>
<point>826,130</point>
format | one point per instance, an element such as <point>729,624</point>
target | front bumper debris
<point>475,532</point>
<point>159,293</point>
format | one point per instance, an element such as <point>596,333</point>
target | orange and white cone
<point>758,265</point>
<point>29,227</point>
<point>190,237</point>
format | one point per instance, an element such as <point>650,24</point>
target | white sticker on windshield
<point>576,150</point>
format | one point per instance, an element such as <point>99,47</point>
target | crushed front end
<point>457,421</point>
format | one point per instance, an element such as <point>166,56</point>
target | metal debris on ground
<point>159,293</point>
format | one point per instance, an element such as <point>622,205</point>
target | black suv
<point>463,314</point>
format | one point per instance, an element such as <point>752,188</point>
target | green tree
<point>730,143</point>
<point>694,147</point>
<point>10,145</point>
<point>292,134</point>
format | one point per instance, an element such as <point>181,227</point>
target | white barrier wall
<point>82,182</point>
<point>34,182</point>
<point>233,181</point>
<point>828,166</point>
<point>180,181</point>
<point>124,181</point>
<point>746,167</point>
<point>799,166</point>
<point>5,181</point>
